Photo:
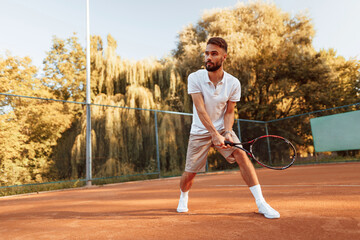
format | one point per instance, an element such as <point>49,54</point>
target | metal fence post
<point>88,102</point>
<point>239,131</point>
<point>313,144</point>
<point>157,145</point>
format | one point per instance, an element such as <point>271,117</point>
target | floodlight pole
<point>88,101</point>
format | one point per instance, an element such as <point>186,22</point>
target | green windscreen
<point>336,132</point>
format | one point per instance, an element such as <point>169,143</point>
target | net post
<point>157,145</point>
<point>88,102</point>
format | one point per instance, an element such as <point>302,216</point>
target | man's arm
<point>229,119</point>
<point>198,101</point>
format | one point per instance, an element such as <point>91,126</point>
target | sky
<point>144,28</point>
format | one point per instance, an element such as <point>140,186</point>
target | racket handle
<point>229,143</point>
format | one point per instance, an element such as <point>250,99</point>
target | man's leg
<point>246,168</point>
<point>196,156</point>
<point>250,177</point>
<point>187,180</point>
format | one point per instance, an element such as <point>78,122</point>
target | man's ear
<point>225,56</point>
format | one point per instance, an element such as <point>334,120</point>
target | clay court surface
<point>315,202</point>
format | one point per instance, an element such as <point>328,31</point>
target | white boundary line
<point>308,185</point>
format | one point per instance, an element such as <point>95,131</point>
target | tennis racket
<point>269,151</point>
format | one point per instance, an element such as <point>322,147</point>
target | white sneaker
<point>183,203</point>
<point>267,211</point>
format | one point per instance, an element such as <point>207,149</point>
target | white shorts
<point>198,148</point>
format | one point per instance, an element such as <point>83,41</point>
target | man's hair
<point>218,41</point>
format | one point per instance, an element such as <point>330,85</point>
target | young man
<point>215,93</point>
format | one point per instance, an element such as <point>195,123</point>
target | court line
<point>309,185</point>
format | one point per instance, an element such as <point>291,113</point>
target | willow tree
<point>112,75</point>
<point>123,139</point>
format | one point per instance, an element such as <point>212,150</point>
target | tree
<point>123,139</point>
<point>272,55</point>
<point>65,69</point>
<point>29,128</point>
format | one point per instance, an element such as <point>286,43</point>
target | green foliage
<point>29,129</point>
<point>270,53</point>
<point>39,188</point>
<point>273,57</point>
<point>65,69</point>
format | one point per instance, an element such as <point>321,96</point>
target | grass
<point>330,159</point>
<point>36,188</point>
<point>51,186</point>
<point>129,178</point>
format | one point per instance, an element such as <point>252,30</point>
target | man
<point>215,93</point>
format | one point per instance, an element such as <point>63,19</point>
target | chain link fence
<point>44,141</point>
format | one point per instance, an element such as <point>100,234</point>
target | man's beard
<point>214,67</point>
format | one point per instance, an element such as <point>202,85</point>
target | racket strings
<point>273,151</point>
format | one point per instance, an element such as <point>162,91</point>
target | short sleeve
<point>236,92</point>
<point>193,84</point>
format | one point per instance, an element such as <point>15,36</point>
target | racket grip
<point>229,143</point>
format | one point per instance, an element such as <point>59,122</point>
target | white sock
<point>184,194</point>
<point>256,192</point>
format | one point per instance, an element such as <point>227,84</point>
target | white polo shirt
<point>215,99</point>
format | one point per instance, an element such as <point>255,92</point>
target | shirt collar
<point>208,79</point>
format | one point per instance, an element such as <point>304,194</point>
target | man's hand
<point>229,138</point>
<point>218,140</point>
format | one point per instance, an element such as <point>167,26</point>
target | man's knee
<point>241,157</point>
<point>187,177</point>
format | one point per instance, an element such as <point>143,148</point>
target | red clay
<point>315,202</point>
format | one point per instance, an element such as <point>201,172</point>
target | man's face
<point>214,57</point>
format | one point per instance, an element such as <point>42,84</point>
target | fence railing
<point>126,142</point>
